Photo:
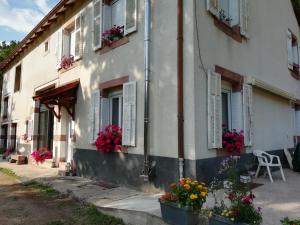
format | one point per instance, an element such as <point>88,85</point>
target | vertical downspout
<point>146,169</point>
<point>180,108</point>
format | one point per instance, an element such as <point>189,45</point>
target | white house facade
<point>180,71</point>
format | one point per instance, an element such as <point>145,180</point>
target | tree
<point>6,49</point>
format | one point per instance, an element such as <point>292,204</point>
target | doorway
<point>46,123</point>
<point>4,130</point>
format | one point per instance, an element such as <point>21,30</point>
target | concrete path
<point>279,199</point>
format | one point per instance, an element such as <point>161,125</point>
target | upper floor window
<point>70,39</point>
<point>233,13</point>
<point>5,107</point>
<point>293,52</point>
<point>18,73</point>
<point>113,13</point>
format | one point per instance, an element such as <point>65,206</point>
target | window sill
<point>295,74</point>
<point>233,32</point>
<point>75,64</point>
<point>114,45</point>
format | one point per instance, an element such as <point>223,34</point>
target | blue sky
<point>18,17</point>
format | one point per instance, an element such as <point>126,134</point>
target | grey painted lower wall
<point>125,169</point>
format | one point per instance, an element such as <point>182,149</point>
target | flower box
<point>218,220</point>
<point>172,214</point>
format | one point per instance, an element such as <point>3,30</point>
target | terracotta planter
<point>178,216</point>
<point>218,220</point>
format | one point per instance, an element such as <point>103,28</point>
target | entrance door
<point>4,129</point>
<point>14,136</point>
<point>46,122</point>
<point>70,134</point>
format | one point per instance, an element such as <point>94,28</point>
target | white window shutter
<point>59,48</point>
<point>234,12</point>
<point>244,17</point>
<point>94,116</point>
<point>248,114</point>
<point>65,44</point>
<point>130,16</point>
<point>289,46</point>
<point>214,110</point>
<point>105,116</point>
<point>129,114</point>
<point>97,24</point>
<point>212,7</point>
<point>30,131</point>
<point>79,23</point>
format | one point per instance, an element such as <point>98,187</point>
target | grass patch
<point>46,189</point>
<point>8,172</point>
<point>56,222</point>
<point>93,217</point>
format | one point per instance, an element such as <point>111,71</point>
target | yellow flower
<point>210,214</point>
<point>193,196</point>
<point>187,186</point>
<point>232,219</point>
<point>203,194</point>
<point>200,186</point>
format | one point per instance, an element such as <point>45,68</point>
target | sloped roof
<point>37,31</point>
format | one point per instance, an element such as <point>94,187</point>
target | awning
<point>62,96</point>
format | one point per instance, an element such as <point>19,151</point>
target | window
<point>4,133</point>
<point>28,129</point>
<point>293,52</point>
<point>108,13</point>
<point>226,109</point>
<point>5,107</point>
<point>13,136</point>
<point>18,78</point>
<point>69,41</point>
<point>46,46</point>
<point>115,106</point>
<point>231,12</point>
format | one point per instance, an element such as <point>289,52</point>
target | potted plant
<point>40,155</point>
<point>113,34</point>
<point>233,141</point>
<point>238,207</point>
<point>109,139</point>
<point>287,221</point>
<point>182,205</point>
<point>66,61</point>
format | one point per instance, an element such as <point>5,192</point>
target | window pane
<point>72,43</point>
<point>225,120</point>
<point>97,32</point>
<point>115,111</point>
<point>118,13</point>
<point>97,8</point>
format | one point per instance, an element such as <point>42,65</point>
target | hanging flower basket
<point>110,139</point>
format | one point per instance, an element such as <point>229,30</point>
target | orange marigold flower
<point>187,186</point>
<point>173,185</point>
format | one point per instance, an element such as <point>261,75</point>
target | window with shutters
<point>116,108</point>
<point>113,20</point>
<point>5,107</point>
<point>293,53</point>
<point>231,16</point>
<point>18,73</point>
<point>69,42</point>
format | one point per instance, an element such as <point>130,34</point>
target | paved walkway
<point>277,200</point>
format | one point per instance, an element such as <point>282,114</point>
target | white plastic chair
<point>268,160</point>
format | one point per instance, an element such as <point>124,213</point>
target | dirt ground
<point>35,205</point>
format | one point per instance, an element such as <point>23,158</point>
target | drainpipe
<point>147,169</point>
<point>180,107</point>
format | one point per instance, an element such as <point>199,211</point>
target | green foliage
<point>94,217</point>
<point>287,221</point>
<point>6,49</point>
<point>8,172</point>
<point>46,189</point>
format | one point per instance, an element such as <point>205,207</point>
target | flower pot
<point>174,215</point>
<point>218,220</point>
